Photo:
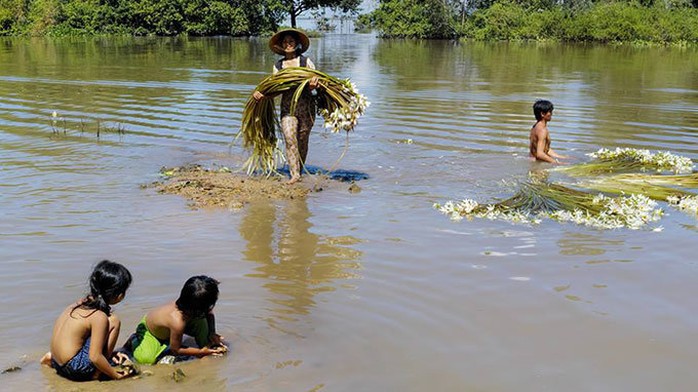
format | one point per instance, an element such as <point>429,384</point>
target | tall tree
<point>296,7</point>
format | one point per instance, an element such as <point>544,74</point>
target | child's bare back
<point>85,333</point>
<point>73,323</point>
<point>164,319</point>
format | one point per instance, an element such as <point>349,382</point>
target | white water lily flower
<point>686,203</point>
<point>662,160</point>
<point>346,118</point>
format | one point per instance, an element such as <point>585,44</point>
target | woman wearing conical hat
<point>291,43</point>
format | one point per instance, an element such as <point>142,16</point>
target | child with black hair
<point>539,138</point>
<point>161,331</point>
<point>85,334</point>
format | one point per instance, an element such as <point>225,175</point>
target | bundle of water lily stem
<point>617,188</point>
<point>340,102</point>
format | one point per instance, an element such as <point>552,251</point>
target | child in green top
<point>160,332</point>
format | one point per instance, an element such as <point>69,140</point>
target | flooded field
<point>369,290</point>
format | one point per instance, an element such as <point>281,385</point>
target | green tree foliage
<point>365,22</point>
<point>140,17</point>
<point>660,21</point>
<point>664,21</point>
<point>414,19</point>
<point>157,17</point>
<point>193,17</point>
<point>13,14</point>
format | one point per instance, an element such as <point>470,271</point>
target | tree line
<point>660,21</point>
<point>156,17</point>
<point>663,21</point>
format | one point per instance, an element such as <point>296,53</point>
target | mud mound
<point>218,187</point>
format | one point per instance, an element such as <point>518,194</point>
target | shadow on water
<point>337,175</point>
<point>296,263</point>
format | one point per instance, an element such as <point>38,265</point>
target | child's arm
<point>214,339</point>
<point>176,335</point>
<point>99,325</point>
<point>556,155</point>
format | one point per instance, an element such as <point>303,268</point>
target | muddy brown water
<point>349,291</point>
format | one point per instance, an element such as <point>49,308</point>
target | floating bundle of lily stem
<point>537,200</point>
<point>340,103</point>
<point>672,189</point>
<point>624,160</point>
<point>606,196</point>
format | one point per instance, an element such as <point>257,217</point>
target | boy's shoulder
<point>539,127</point>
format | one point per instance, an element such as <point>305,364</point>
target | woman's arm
<point>258,95</point>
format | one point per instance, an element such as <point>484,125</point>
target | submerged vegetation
<point>62,127</point>
<point>589,201</point>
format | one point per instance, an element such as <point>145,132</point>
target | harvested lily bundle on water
<point>340,103</point>
<point>537,200</point>
<point>627,160</point>
<point>654,186</point>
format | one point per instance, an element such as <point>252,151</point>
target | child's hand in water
<point>216,340</point>
<point>120,358</point>
<point>215,351</point>
<point>125,367</point>
<point>220,349</point>
<point>126,372</point>
<point>217,346</point>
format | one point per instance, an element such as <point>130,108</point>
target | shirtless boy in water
<point>540,136</point>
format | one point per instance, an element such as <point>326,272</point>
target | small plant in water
<point>60,125</point>
<point>55,119</point>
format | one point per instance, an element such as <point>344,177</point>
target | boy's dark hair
<point>198,296</point>
<point>542,106</point>
<point>107,282</point>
